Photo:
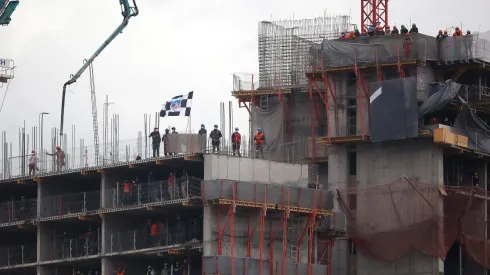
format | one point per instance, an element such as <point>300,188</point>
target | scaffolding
<point>299,208</point>
<point>284,47</point>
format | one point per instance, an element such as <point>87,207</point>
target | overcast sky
<point>171,48</point>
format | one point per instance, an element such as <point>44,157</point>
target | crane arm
<point>127,12</point>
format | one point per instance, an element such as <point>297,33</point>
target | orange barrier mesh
<point>388,221</point>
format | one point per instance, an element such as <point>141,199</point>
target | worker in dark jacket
<point>236,139</point>
<point>204,134</point>
<point>165,142</point>
<point>203,130</point>
<point>414,29</point>
<point>215,138</point>
<point>156,139</point>
<point>395,31</point>
<point>403,29</point>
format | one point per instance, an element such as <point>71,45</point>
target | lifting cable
<point>5,95</point>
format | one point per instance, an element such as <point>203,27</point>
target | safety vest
<point>259,138</point>
<point>237,138</point>
<point>126,187</point>
<point>119,273</point>
<point>154,229</point>
<point>171,180</point>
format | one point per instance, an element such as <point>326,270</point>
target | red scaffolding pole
<point>285,229</point>
<point>262,221</point>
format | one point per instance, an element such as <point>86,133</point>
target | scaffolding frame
<point>263,208</point>
<point>330,95</point>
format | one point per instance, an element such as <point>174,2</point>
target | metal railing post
<point>114,199</point>
<point>187,187</point>
<point>161,190</point>
<point>134,240</point>
<point>8,256</point>
<point>117,194</point>
<point>70,248</point>
<point>13,210</point>
<point>86,246</point>
<point>139,194</point>
<point>84,208</point>
<point>112,242</point>
<point>98,241</point>
<point>22,256</point>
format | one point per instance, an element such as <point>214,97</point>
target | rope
<point>5,95</point>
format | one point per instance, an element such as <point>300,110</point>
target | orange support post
<point>272,239</point>
<point>401,72</point>
<point>378,68</point>
<point>310,239</point>
<point>285,232</point>
<point>232,228</point>
<point>250,236</point>
<point>262,221</point>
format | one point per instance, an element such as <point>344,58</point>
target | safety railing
<point>76,203</point>
<point>87,245</point>
<point>155,191</point>
<point>16,211</point>
<point>371,51</point>
<point>18,255</point>
<point>474,93</point>
<point>143,239</point>
<point>464,48</point>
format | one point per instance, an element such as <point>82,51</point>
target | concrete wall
<point>379,164</point>
<point>257,170</point>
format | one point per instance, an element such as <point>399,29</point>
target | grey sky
<point>171,48</point>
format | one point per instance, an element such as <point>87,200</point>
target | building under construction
<point>396,127</point>
<point>375,163</point>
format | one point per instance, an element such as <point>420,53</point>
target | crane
<point>7,7</point>
<point>374,13</point>
<point>127,13</point>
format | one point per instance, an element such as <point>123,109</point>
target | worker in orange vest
<point>126,191</point>
<point>259,143</point>
<point>236,139</point>
<point>171,183</point>
<point>119,271</point>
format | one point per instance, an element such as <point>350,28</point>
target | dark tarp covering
<point>341,53</point>
<point>441,98</point>
<point>472,126</point>
<point>393,109</point>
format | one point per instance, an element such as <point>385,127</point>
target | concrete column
<point>44,242</point>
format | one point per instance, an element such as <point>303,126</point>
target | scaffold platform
<point>250,93</point>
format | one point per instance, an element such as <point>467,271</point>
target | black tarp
<point>341,53</point>
<point>393,109</point>
<point>439,99</point>
<point>471,125</point>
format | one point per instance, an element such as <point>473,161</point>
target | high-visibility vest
<point>259,138</point>
<point>154,229</point>
<point>237,138</point>
<point>119,273</point>
<point>171,180</point>
<point>126,187</point>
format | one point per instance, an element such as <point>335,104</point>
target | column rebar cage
<point>284,47</point>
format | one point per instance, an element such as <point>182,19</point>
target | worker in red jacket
<point>236,139</point>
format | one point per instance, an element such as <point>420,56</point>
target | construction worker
<point>60,158</point>
<point>126,192</point>
<point>215,136</point>
<point>165,142</point>
<point>154,234</point>
<point>259,143</point>
<point>468,38</point>
<point>236,139</point>
<point>414,29</point>
<point>161,233</point>
<point>151,271</point>
<point>156,139</point>
<point>403,29</point>
<point>342,36</point>
<point>174,131</point>
<point>475,178</point>
<point>439,36</point>
<point>171,184</point>
<point>457,32</point>
<point>204,133</point>
<point>184,183</point>
<point>387,30</point>
<point>33,160</point>
<point>119,271</point>
<point>395,31</point>
<point>357,33</point>
<point>407,44</point>
<point>371,31</point>
<point>165,270</point>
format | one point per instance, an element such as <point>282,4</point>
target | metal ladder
<point>95,122</point>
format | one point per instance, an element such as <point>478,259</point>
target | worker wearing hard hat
<point>259,143</point>
<point>215,136</point>
<point>60,158</point>
<point>33,160</point>
<point>236,139</point>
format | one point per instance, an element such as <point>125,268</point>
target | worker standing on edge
<point>156,139</point>
<point>414,29</point>
<point>215,138</point>
<point>119,271</point>
<point>236,139</point>
<point>165,142</point>
<point>204,133</point>
<point>259,143</point>
<point>60,158</point>
<point>403,29</point>
<point>174,131</point>
<point>170,183</point>
<point>33,160</point>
